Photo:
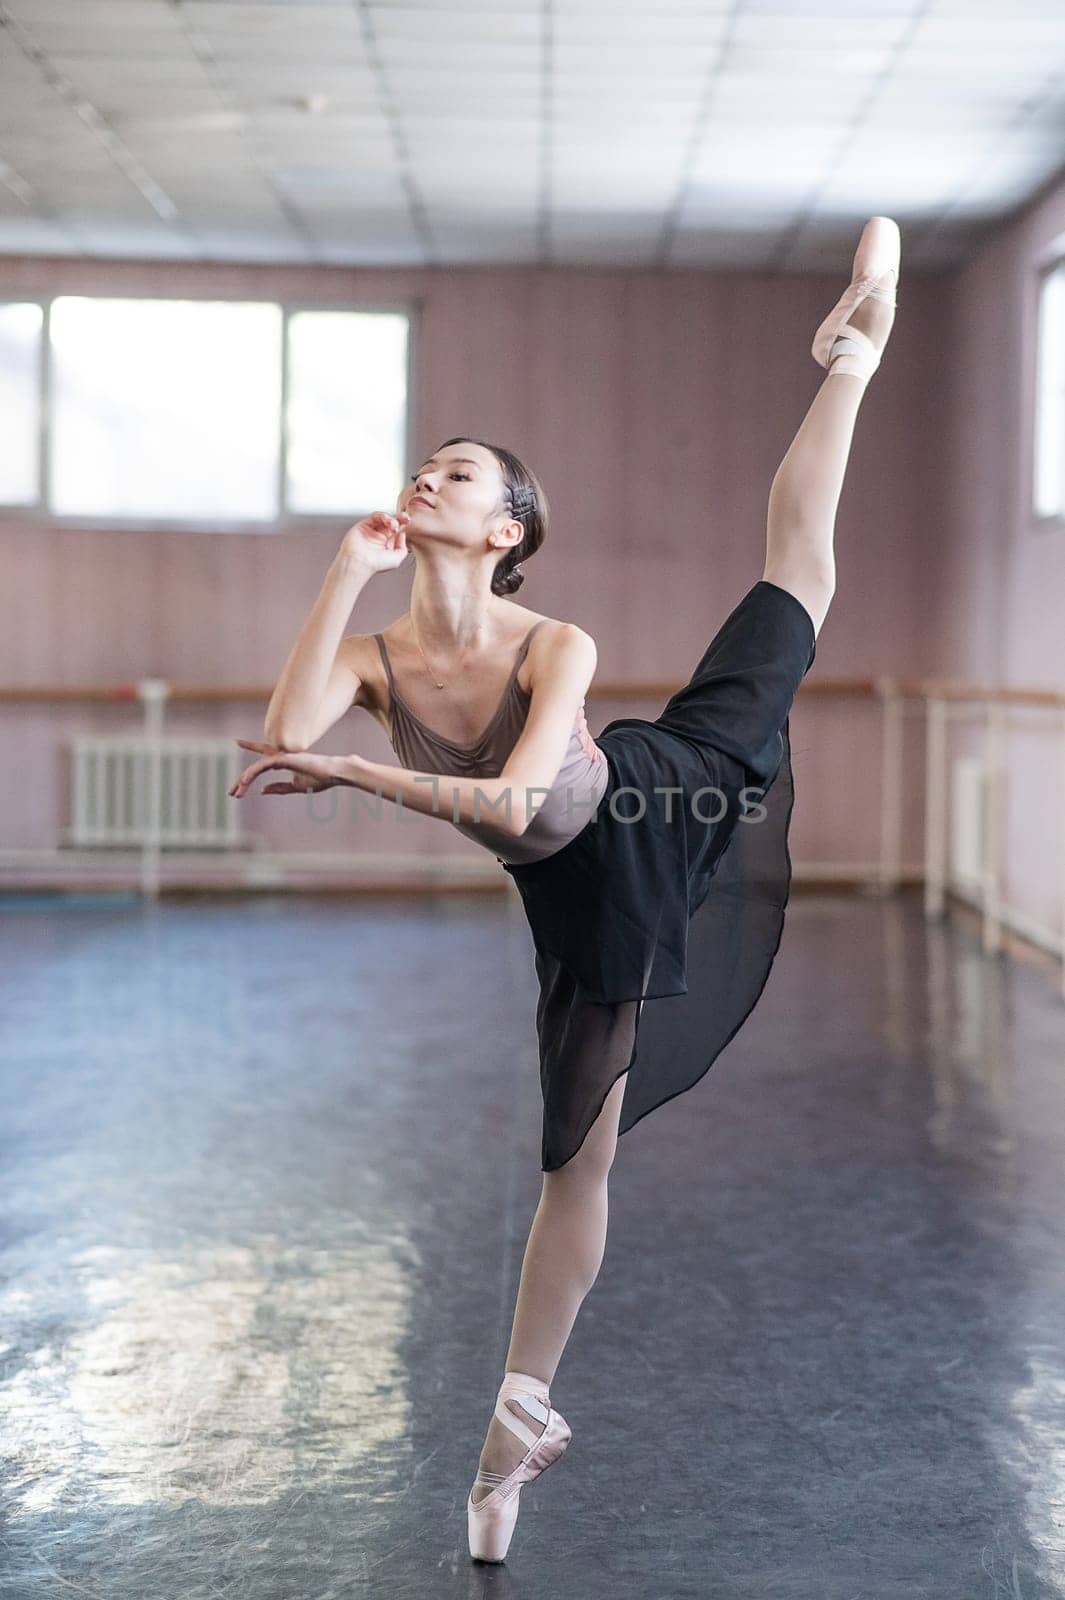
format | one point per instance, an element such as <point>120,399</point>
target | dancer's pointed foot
<point>543,1435</point>
<point>503,1449</point>
<point>853,335</point>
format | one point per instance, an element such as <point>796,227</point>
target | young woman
<point>652,861</point>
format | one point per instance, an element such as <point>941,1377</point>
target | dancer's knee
<point>593,1161</point>
<point>588,1167</point>
<point>811,581</point>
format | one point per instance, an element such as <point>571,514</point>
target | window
<point>164,409</point>
<point>1049,487</point>
<point>200,412</point>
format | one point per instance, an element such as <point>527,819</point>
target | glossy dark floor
<point>268,1171</point>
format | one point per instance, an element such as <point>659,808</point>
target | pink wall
<point>656,408</point>
<point>1004,593</point>
<point>1005,569</point>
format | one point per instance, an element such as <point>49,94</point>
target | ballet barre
<point>943,704</point>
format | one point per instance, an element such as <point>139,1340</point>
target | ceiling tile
<point>634,254</point>
<point>215,18</point>
<point>855,57</point>
<point>397,25</point>
<point>143,239</point>
<point>808,29</point>
<point>1020,10</point>
<point>865,14</point>
<point>719,247</point>
<point>132,14</point>
<point>971,31</point>
<point>584,195</point>
<point>571,26</point>
<point>635,63</point>
<point>782,99</point>
<point>609,10</point>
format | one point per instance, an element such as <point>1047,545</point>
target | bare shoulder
<point>359,653</point>
<point>549,641</point>
<point>556,633</point>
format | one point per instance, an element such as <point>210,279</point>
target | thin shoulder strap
<point>526,642</point>
<point>522,653</point>
<point>384,658</point>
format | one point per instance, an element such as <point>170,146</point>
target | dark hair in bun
<point>523,500</point>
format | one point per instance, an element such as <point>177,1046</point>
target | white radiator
<point>968,822</point>
<point>113,784</point>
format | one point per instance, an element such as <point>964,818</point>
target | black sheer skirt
<point>673,894</point>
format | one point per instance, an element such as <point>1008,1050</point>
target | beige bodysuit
<point>559,816</point>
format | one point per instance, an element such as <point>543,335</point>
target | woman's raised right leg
<point>805,493</point>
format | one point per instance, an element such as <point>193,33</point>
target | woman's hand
<point>311,773</point>
<point>379,541</point>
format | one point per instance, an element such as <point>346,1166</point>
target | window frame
<point>1044,519</point>
<point>286,521</point>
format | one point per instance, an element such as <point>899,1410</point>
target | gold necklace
<point>421,652</point>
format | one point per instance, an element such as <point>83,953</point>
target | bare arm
<point>293,711</point>
<point>561,673</point>
<point>468,800</point>
<point>318,683</point>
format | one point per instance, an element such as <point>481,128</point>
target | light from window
<point>20,419</point>
<point>1050,399</point>
<point>346,413</point>
<point>165,408</point>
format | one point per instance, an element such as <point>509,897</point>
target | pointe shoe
<point>490,1522</point>
<point>874,275</point>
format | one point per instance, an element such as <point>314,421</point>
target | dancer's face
<point>463,484</point>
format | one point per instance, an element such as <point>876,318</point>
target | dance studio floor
<point>268,1169</point>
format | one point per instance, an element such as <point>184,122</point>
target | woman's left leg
<point>563,1255</point>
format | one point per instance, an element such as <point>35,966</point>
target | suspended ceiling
<point>706,133</point>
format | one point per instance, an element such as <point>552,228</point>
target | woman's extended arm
<point>472,800</point>
<point>376,544</point>
<point>468,800</point>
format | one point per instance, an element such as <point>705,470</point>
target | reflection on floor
<point>268,1170</point>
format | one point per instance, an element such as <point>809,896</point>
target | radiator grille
<point>112,790</point>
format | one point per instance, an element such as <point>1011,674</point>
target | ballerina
<point>655,926</point>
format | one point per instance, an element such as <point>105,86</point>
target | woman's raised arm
<point>316,677</point>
